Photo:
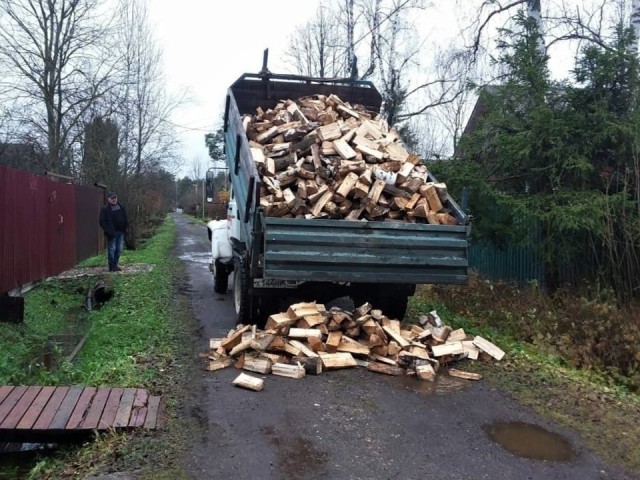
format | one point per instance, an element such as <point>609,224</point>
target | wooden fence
<point>46,227</point>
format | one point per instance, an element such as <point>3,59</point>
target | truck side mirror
<point>208,186</point>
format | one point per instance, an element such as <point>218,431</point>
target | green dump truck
<point>273,259</point>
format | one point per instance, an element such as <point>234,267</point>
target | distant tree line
<point>82,87</point>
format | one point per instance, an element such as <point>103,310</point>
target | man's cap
<point>112,194</point>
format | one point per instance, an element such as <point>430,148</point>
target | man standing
<point>114,222</point>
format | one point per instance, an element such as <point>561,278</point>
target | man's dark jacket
<point>112,222</point>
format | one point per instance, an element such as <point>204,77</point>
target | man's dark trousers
<point>114,249</point>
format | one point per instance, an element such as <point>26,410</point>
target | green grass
<point>588,400</point>
<point>50,309</point>
<point>137,339</point>
<point>130,339</point>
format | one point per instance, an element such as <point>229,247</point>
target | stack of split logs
<point>307,339</point>
<point>321,157</point>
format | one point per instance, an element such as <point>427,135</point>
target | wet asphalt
<point>351,424</point>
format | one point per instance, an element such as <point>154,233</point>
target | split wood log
<point>316,344</point>
<point>352,346</point>
<point>466,375</point>
<point>386,369</point>
<point>333,361</point>
<point>431,195</point>
<point>302,348</point>
<point>241,347</point>
<point>457,335</point>
<point>219,364</point>
<point>234,338</point>
<point>470,349</point>
<point>262,341</point>
<point>333,340</point>
<point>285,370</point>
<point>279,321</point>
<point>399,339</point>
<point>453,348</point>
<point>488,347</point>
<point>383,359</point>
<point>310,321</point>
<point>256,364</point>
<point>291,349</point>
<point>304,333</point>
<point>275,358</point>
<point>382,350</point>
<point>426,372</point>
<point>300,310</point>
<point>394,348</point>
<point>249,382</point>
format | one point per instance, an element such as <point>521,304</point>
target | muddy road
<point>354,424</point>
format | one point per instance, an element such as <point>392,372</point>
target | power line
<point>194,129</point>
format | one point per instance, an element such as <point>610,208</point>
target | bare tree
<point>197,169</point>
<point>635,20</point>
<point>57,68</point>
<point>144,108</point>
<point>314,47</point>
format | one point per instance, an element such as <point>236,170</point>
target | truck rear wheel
<point>243,303</point>
<point>394,308</point>
<point>392,299</point>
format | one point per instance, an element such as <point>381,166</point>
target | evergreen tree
<point>539,150</point>
<point>101,153</point>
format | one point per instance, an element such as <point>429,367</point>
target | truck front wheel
<point>242,301</point>
<point>220,278</point>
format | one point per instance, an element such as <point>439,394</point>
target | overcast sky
<point>207,45</point>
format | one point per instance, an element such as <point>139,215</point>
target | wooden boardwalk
<point>42,414</point>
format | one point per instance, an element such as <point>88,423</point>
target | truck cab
<point>220,233</point>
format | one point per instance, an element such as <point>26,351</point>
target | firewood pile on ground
<point>320,157</point>
<point>309,339</point>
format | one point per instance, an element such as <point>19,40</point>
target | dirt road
<point>354,424</point>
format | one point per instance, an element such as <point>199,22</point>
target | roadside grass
<point>587,398</point>
<point>49,311</point>
<point>140,338</point>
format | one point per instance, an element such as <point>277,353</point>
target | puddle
<point>196,257</point>
<point>187,241</point>
<point>443,384</point>
<point>530,441</point>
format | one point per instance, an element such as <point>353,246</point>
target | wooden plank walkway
<point>41,414</point>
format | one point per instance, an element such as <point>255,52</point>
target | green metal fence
<point>519,264</point>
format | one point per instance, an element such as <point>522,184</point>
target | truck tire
<point>394,308</point>
<point>220,279</point>
<point>391,299</point>
<point>243,303</point>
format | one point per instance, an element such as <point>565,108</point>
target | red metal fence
<point>46,227</point>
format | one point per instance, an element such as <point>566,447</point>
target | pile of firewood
<point>321,157</point>
<point>307,339</point>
